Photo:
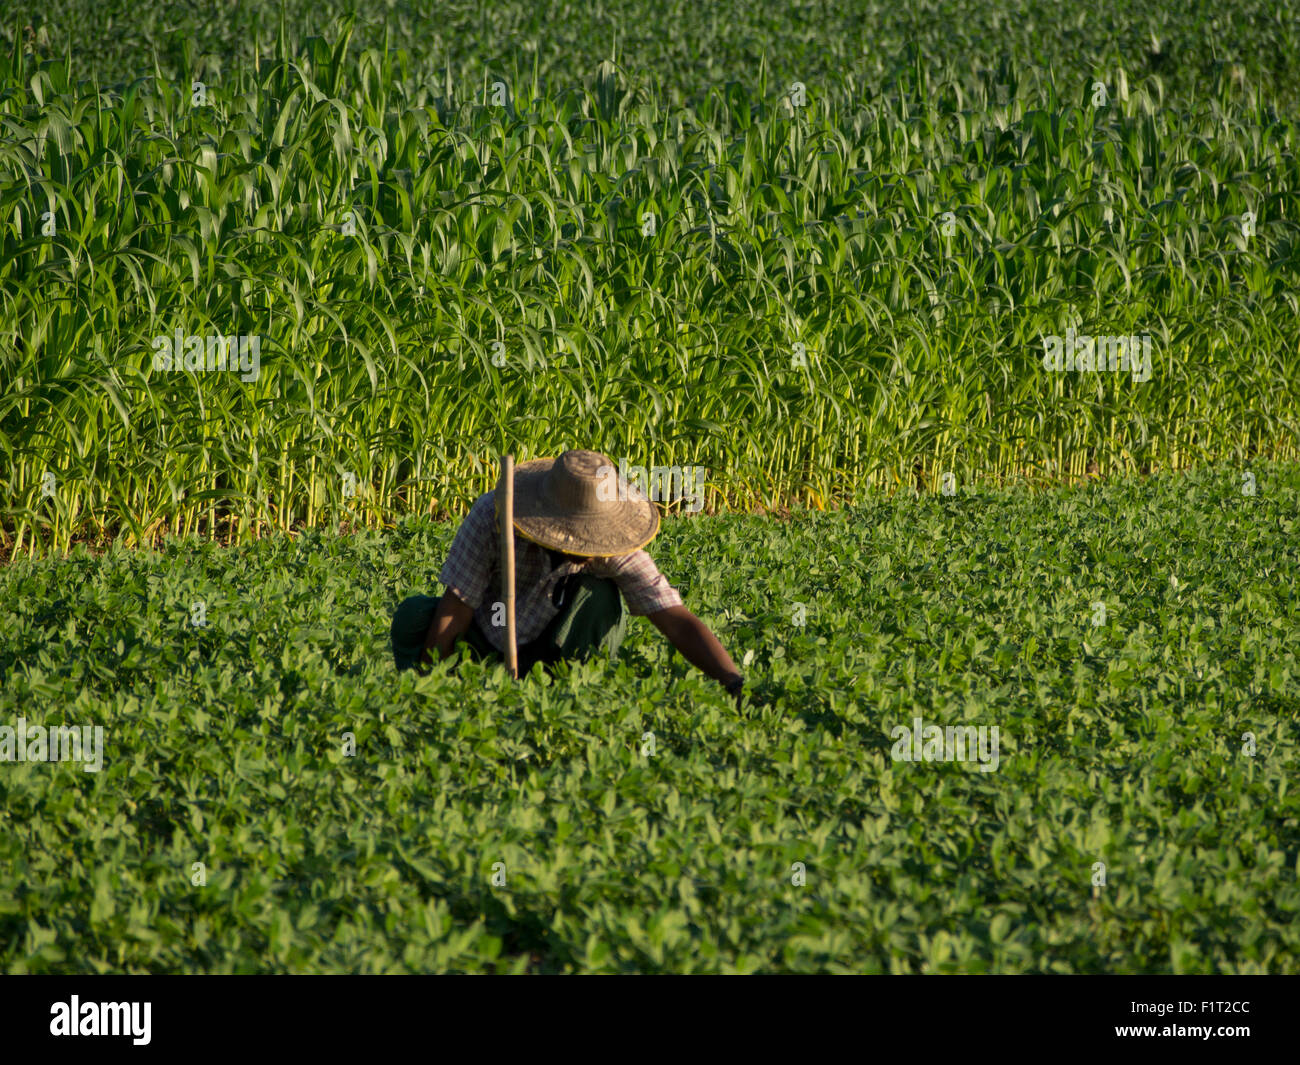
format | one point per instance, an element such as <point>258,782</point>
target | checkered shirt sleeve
<point>473,558</point>
<point>645,589</point>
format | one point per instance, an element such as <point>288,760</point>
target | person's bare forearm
<point>697,644</point>
<point>450,623</point>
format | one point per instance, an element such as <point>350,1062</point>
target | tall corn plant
<point>812,298</point>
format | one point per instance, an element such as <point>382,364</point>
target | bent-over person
<point>580,569</point>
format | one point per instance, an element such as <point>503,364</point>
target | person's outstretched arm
<point>698,645</point>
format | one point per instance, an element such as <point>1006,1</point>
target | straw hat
<point>579,505</point>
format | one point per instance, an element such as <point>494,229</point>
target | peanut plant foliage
<point>1121,743</point>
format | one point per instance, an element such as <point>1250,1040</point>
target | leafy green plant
<point>1121,743</point>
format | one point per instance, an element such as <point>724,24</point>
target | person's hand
<point>735,687</point>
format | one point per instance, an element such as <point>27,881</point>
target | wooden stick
<point>507,490</point>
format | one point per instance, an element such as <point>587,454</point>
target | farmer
<point>580,533</point>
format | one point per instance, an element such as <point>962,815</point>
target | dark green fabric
<point>411,621</point>
<point>592,618</point>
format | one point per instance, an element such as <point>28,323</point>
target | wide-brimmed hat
<point>579,505</point>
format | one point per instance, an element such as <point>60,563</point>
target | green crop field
<point>980,319</point>
<point>646,825</point>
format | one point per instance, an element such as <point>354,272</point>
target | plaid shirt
<point>473,572</point>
